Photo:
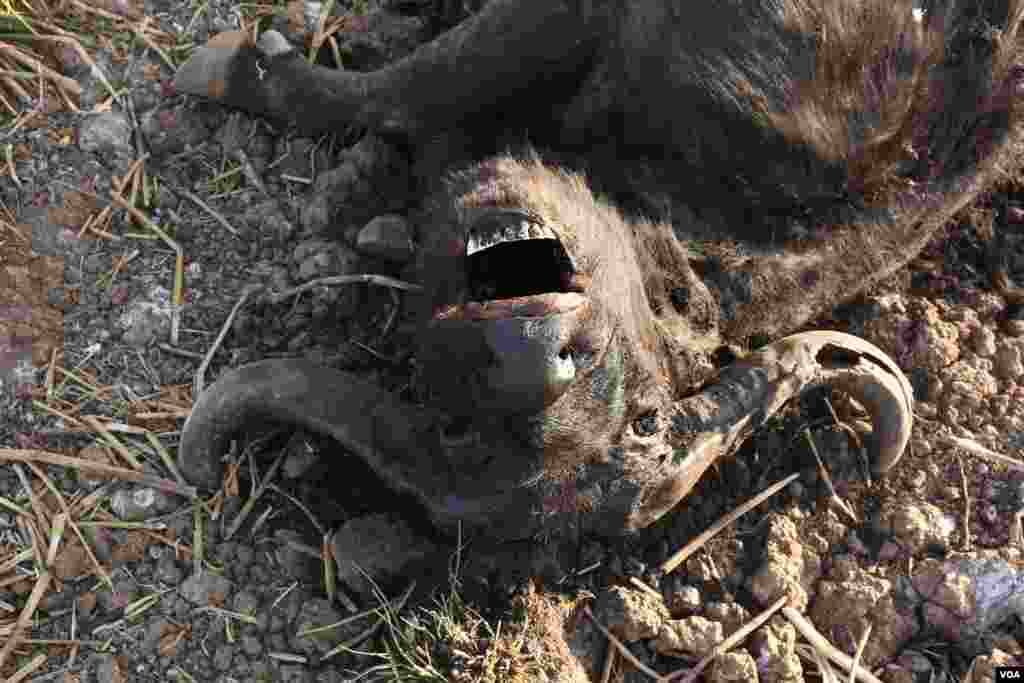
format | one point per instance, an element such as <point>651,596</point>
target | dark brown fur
<point>719,172</point>
<point>872,138</point>
<point>903,117</point>
<point>812,159</point>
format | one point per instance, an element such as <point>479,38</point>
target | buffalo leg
<point>511,48</point>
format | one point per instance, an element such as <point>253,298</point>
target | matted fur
<point>874,125</point>
<point>720,172</point>
<point>632,267</point>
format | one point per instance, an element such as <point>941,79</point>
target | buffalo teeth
<point>507,231</point>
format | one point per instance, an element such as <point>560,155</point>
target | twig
<point>334,591</point>
<point>179,261</point>
<point>26,455</point>
<point>152,45</point>
<point>175,351</point>
<point>396,306</point>
<point>967,505</point>
<point>9,158</point>
<point>852,433</point>
<point>368,278</point>
<point>68,518</point>
<point>828,674</point>
<point>94,68</point>
<point>299,504</point>
<point>975,448</point>
<point>622,648</point>
<point>206,207</point>
<point>690,675</point>
<point>609,662</point>
<point>395,606</point>
<point>249,171</point>
<point>42,584</point>
<point>671,563</point>
<point>644,587</point>
<point>199,382</point>
<point>62,81</point>
<point>807,630</point>
<point>24,672</point>
<point>254,498</point>
<point>823,471</point>
<point>1017,529</point>
<point>113,442</point>
<point>860,651</point>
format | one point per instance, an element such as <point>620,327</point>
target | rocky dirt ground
<point>107,317</point>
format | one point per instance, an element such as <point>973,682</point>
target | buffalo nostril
<point>565,353</point>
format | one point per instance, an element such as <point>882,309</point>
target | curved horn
<point>494,487</point>
<point>715,422</point>
<point>358,414</point>
<point>480,485</point>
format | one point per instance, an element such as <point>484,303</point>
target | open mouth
<point>517,267</point>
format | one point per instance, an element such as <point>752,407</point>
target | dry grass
<point>451,642</point>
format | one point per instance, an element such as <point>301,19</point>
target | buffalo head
<point>758,162</point>
<point>569,352</point>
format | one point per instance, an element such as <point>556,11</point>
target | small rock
<point>1009,360</point>
<point>168,570</point>
<point>314,614</point>
<point>700,570</point>
<point>683,600</point>
<point>631,615</point>
<point>857,546</point>
<point>789,568</point>
<point>1014,328</point>
<point>926,410</point>
<point>156,629</point>
<point>170,131</point>
<point>730,614</point>
<point>916,526</point>
<point>916,662</point>
<point>233,133</point>
<point>296,156</point>
<point>851,600</point>
<point>912,330</point>
<point>774,650</point>
<point>889,552</point>
<point>332,189</point>
<point>388,237</point>
<point>965,599</point>
<point>139,503</point>
<point>694,636</point>
<point>992,489</point>
<point>108,135</point>
<point>733,666</point>
<point>322,258</point>
<point>894,673</point>
<point>989,513</point>
<point>970,379</point>
<point>300,457</point>
<point>205,588</point>
<point>983,341</point>
<point>145,322</point>
<point>383,548</point>
<point>910,667</point>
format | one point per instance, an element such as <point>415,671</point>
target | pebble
<point>983,341</point>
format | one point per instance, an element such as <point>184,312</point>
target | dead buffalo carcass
<point>758,161</point>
